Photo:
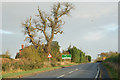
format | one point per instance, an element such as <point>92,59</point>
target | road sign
<point>66,56</point>
<point>49,55</point>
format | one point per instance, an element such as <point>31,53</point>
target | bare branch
<point>51,22</point>
<point>58,32</point>
<point>41,15</point>
<point>67,10</point>
<point>45,22</point>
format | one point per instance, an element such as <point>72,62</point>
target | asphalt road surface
<point>88,70</point>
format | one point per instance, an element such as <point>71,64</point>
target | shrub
<point>113,59</point>
<point>6,67</point>
<point>77,55</point>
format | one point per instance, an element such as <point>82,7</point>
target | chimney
<point>22,46</point>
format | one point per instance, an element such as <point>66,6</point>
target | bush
<point>6,67</point>
<point>77,55</point>
<point>21,64</point>
<point>16,65</point>
<point>31,58</point>
<point>53,64</point>
<point>113,59</point>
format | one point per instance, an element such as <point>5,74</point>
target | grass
<point>0,76</point>
<point>30,72</point>
<point>113,73</point>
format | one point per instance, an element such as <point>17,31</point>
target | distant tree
<point>6,55</point>
<point>104,54</point>
<point>48,24</point>
<point>82,57</point>
<point>75,54</point>
<point>88,58</point>
<point>78,55</point>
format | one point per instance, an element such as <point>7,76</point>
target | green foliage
<point>108,54</point>
<point>77,55</point>
<point>88,58</point>
<point>112,64</point>
<point>6,67</point>
<point>30,53</point>
<point>31,66</point>
<point>82,57</point>
<point>33,58</point>
<point>110,57</point>
<point>113,58</point>
<point>17,74</point>
<point>56,56</point>
<point>21,64</point>
<point>29,58</point>
<point>112,72</point>
<point>55,46</point>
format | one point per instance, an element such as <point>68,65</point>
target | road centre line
<point>76,69</point>
<point>60,76</point>
<point>70,71</point>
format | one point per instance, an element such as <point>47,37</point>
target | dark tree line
<point>78,55</point>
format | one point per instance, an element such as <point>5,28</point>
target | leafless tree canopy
<point>47,24</point>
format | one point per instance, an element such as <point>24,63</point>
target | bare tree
<point>48,24</point>
<point>30,32</point>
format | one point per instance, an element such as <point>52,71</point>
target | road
<point>88,70</point>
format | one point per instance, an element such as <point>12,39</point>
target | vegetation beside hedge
<point>112,64</point>
<point>78,56</point>
<point>109,56</point>
<point>33,71</point>
<point>112,72</point>
<point>113,58</point>
<point>35,58</point>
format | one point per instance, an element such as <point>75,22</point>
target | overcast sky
<point>92,26</point>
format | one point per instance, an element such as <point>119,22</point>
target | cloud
<point>110,27</point>
<point>92,10</point>
<point>92,14</point>
<point>101,32</point>
<point>5,32</point>
<point>94,36</point>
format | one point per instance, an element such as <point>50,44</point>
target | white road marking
<point>60,76</point>
<point>97,73</point>
<point>70,71</point>
<point>76,69</point>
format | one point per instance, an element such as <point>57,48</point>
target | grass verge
<point>113,73</point>
<point>32,72</point>
<point>0,76</point>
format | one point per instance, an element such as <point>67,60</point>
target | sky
<point>91,27</point>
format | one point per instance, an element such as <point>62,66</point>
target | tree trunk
<point>48,47</point>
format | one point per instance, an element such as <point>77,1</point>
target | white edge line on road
<point>60,76</point>
<point>97,73</point>
<point>70,71</point>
